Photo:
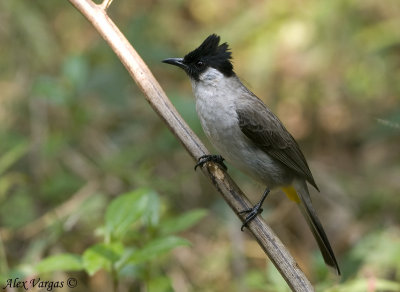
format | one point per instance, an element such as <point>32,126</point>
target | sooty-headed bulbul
<point>248,134</point>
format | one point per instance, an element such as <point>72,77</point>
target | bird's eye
<point>199,64</point>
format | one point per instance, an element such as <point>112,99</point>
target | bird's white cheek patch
<point>211,75</point>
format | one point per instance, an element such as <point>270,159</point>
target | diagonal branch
<point>269,242</point>
<point>105,4</point>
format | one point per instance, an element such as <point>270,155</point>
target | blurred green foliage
<point>126,252</point>
<point>76,132</point>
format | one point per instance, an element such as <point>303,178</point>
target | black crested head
<point>209,54</point>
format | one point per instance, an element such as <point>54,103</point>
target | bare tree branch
<point>105,4</point>
<point>154,94</point>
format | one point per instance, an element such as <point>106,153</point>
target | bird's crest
<point>212,54</point>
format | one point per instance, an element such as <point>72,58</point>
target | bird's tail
<point>304,201</point>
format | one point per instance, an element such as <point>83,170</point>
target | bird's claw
<point>214,158</point>
<point>251,214</point>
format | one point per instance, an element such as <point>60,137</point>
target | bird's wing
<point>266,131</point>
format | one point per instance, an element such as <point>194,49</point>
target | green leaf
<point>125,210</point>
<point>76,70</point>
<point>156,248</point>
<point>50,88</point>
<point>160,284</point>
<point>152,212</point>
<point>60,262</point>
<point>363,284</point>
<point>255,280</point>
<point>182,222</point>
<point>9,158</point>
<point>7,181</point>
<point>101,256</point>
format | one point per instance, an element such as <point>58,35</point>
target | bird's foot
<point>251,214</point>
<point>214,158</point>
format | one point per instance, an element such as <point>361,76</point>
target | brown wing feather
<point>262,127</point>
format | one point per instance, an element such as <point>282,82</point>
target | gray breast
<point>217,112</point>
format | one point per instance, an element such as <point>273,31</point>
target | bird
<point>249,135</point>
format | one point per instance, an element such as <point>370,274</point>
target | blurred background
<point>76,133</point>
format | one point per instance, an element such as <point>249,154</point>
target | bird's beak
<point>176,61</point>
